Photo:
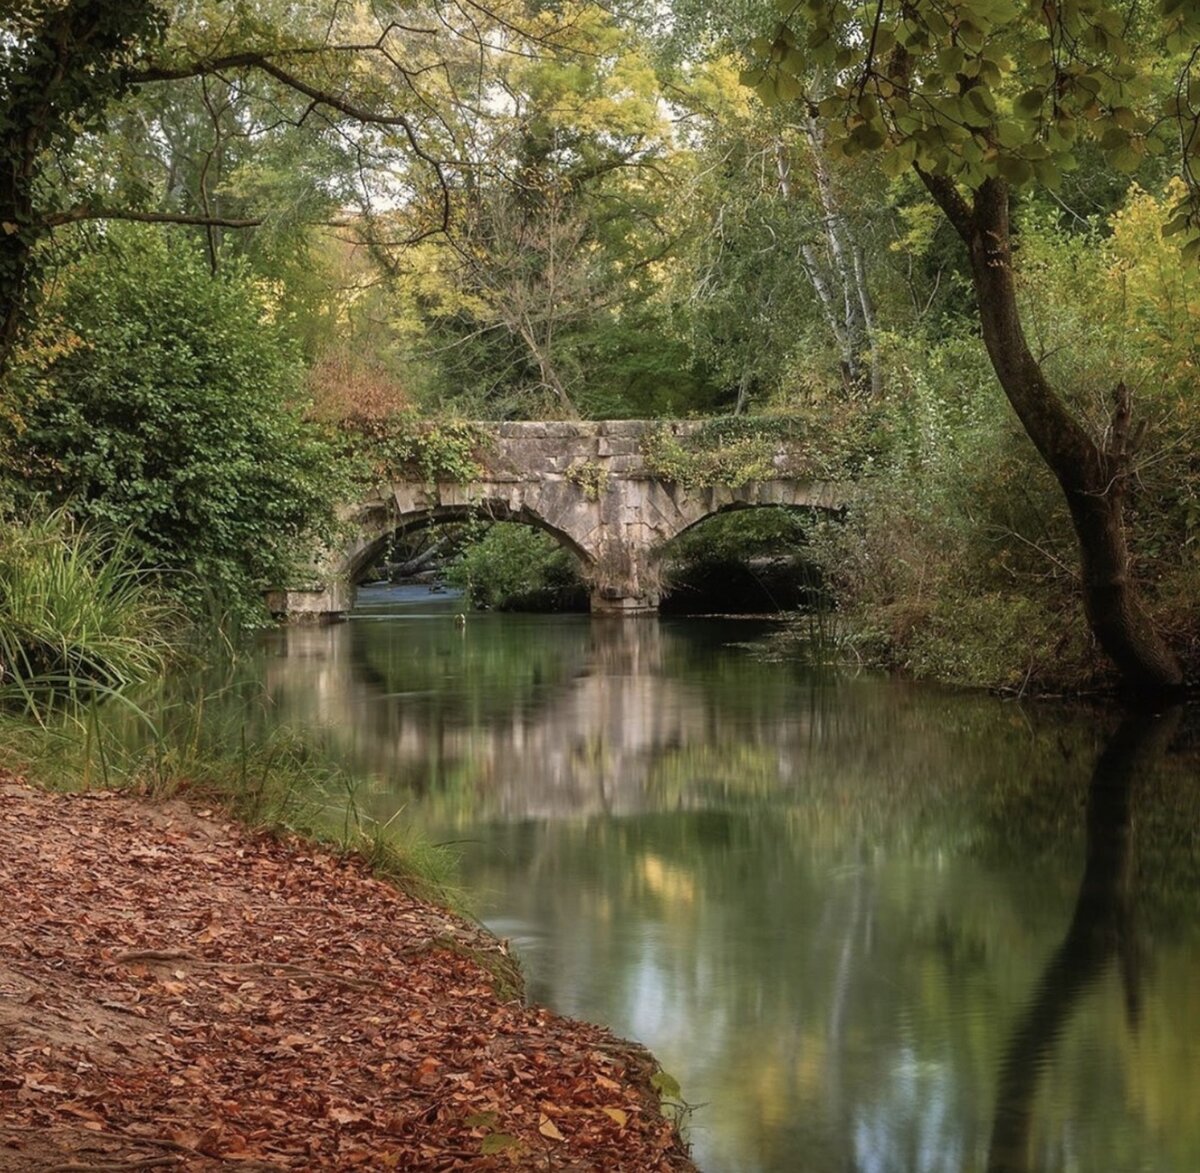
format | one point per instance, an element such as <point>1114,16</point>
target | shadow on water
<point>1102,931</point>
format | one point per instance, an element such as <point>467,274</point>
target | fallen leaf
<point>499,1142</point>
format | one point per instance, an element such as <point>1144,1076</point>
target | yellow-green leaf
<point>499,1142</point>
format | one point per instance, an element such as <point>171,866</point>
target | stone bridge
<point>588,484</point>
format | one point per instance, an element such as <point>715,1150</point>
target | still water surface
<point>867,926</point>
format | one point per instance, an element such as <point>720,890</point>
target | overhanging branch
<point>352,110</point>
<point>84,212</point>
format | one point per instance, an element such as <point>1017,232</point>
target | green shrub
<point>77,610</point>
<point>163,401</point>
<point>725,450</point>
<point>1001,641</point>
<point>517,568</point>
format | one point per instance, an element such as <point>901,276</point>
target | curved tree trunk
<point>1093,477</point>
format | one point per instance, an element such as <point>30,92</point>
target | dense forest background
<point>244,242</point>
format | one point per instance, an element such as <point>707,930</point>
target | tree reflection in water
<point>1101,930</point>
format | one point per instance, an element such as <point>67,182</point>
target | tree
<point>774,202</point>
<point>371,78</point>
<point>982,98</point>
<point>161,401</point>
<point>559,216</point>
<point>777,268</point>
<point>61,63</point>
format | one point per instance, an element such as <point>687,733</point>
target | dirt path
<point>178,992</point>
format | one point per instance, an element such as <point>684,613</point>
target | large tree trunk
<point>58,78</point>
<point>17,238</point>
<point>1093,477</point>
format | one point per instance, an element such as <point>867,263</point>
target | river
<point>867,926</point>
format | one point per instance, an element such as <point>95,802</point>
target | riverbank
<point>179,991</point>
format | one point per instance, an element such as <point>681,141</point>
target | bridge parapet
<point>531,450</point>
<point>599,487</point>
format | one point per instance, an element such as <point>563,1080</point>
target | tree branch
<point>83,212</point>
<point>950,200</point>
<point>361,114</point>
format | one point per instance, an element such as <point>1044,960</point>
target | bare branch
<point>83,212</point>
<point>361,114</point>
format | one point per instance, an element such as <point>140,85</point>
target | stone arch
<point>378,526</point>
<point>697,513</point>
<point>589,484</point>
<point>736,506</point>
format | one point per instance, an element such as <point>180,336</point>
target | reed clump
<point>215,748</point>
<point>78,611</point>
<point>87,699</point>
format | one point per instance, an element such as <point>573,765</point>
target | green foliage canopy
<point>161,399</point>
<point>61,63</point>
<point>991,89</point>
<point>978,89</point>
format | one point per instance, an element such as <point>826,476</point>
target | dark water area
<point>867,926</point>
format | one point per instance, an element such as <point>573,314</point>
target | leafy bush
<point>517,568</point>
<point>161,400</point>
<point>1001,641</point>
<point>720,452</point>
<point>77,610</point>
<point>957,560</point>
<point>827,441</point>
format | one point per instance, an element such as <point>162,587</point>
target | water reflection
<point>822,902</point>
<point>1101,930</point>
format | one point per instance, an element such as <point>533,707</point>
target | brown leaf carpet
<point>178,992</point>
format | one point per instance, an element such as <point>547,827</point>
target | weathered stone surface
<point>319,605</point>
<point>617,534</point>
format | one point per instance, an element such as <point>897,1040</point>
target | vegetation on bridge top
<point>736,449</point>
<point>406,446</point>
<point>826,444</point>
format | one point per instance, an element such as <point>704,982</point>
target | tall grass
<point>78,613</point>
<point>215,748</point>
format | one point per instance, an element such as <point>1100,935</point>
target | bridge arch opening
<point>487,561</point>
<point>744,559</point>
